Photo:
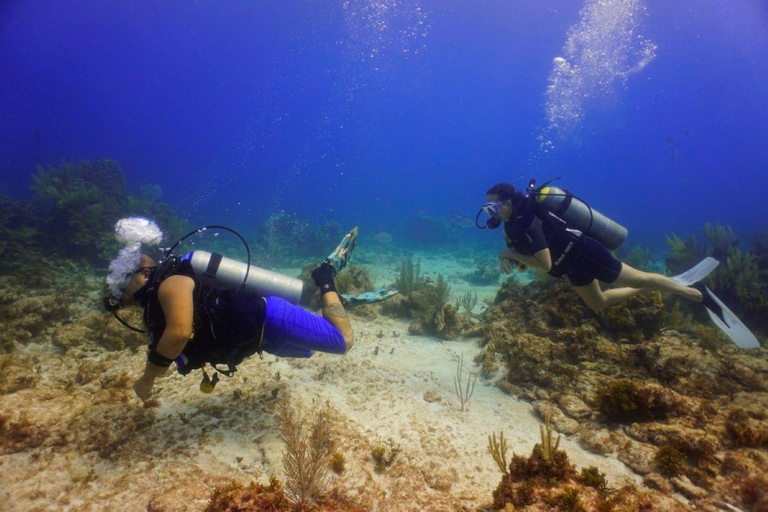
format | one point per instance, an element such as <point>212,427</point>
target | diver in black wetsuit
<point>547,243</point>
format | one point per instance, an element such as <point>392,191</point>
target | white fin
<point>735,329</point>
<point>697,273</point>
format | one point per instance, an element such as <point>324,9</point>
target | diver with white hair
<point>196,315</point>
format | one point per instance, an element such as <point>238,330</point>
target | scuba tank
<point>216,271</point>
<point>579,215</point>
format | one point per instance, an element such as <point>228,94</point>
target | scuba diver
<point>203,309</point>
<point>552,230</point>
<point>545,240</point>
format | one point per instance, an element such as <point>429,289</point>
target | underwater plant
<point>440,292</point>
<point>410,278</point>
<point>307,455</point>
<point>637,257</point>
<point>548,448</point>
<point>82,202</point>
<point>467,301</point>
<point>547,471</point>
<point>754,493</point>
<point>463,392</point>
<point>498,450</point>
<point>722,238</point>
<point>683,253</point>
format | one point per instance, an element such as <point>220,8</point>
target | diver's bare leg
<point>334,312</point>
<point>598,300</point>
<point>649,281</point>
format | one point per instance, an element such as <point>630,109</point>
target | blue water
<point>367,112</point>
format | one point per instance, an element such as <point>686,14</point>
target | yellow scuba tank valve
<point>207,385</point>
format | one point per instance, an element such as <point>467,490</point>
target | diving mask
<point>491,209</point>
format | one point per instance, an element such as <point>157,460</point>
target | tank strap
<point>565,204</point>
<point>213,266</point>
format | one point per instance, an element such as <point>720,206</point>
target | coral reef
<point>432,312</point>
<point>79,205</point>
<point>84,201</point>
<point>21,227</point>
<point>661,391</point>
<point>234,496</point>
<point>546,480</point>
<point>741,280</point>
<point>427,303</point>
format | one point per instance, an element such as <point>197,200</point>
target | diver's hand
<point>143,387</point>
<point>506,265</point>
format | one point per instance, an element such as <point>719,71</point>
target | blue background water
<point>367,112</point>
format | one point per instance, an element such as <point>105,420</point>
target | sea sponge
<point>17,373</point>
<point>747,428</point>
<point>592,477</point>
<point>669,460</point>
<point>625,401</point>
<point>235,496</point>
<point>338,462</point>
<point>18,433</point>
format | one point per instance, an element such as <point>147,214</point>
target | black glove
<point>323,278</point>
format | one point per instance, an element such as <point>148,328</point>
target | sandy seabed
<point>99,449</point>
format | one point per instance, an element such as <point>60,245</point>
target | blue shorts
<point>292,331</point>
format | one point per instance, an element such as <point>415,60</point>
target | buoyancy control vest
<point>219,337</point>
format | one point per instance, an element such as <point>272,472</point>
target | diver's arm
<point>176,299</point>
<point>539,256</point>
<point>175,295</point>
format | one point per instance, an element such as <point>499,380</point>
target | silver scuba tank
<point>580,216</point>
<point>219,272</point>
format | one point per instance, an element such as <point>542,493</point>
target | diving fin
<point>697,273</point>
<point>726,321</point>
<point>368,297</point>
<point>340,256</point>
